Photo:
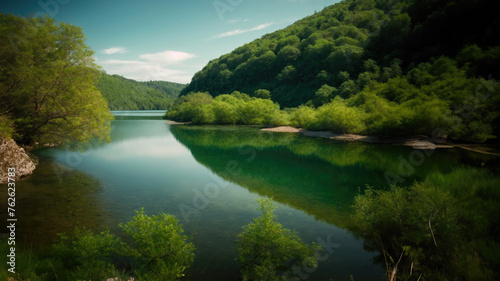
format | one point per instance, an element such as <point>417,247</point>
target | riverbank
<point>417,142</point>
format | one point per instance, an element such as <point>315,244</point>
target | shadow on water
<point>319,176</point>
<point>55,199</point>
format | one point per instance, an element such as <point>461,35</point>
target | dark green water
<point>210,178</point>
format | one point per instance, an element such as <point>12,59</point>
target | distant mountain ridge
<point>127,94</point>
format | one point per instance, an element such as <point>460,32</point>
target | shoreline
<point>417,142</point>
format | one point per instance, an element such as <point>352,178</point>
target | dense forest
<point>374,67</point>
<point>126,94</point>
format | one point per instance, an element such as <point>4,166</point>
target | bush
<point>225,112</point>
<point>340,118</point>
<point>86,255</point>
<point>158,242</point>
<point>303,117</point>
<point>267,250</point>
<point>442,227</point>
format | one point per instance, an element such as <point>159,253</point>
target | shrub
<point>158,242</point>
<point>86,255</point>
<point>303,117</point>
<point>267,250</point>
<point>442,227</point>
<point>340,118</point>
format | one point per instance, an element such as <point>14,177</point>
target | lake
<point>210,178</point>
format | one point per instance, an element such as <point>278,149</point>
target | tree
<point>267,250</point>
<point>47,83</point>
<point>262,94</point>
<point>323,95</point>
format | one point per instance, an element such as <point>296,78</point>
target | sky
<point>163,39</point>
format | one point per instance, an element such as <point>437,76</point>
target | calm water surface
<point>210,178</point>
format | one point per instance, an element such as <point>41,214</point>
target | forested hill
<point>126,94</point>
<point>346,46</point>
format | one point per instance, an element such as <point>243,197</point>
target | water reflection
<point>318,176</point>
<point>55,199</point>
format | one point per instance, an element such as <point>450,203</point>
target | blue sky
<point>168,40</point>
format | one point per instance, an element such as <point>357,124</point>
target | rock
<point>13,156</point>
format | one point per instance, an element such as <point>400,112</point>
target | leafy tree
<point>323,95</point>
<point>262,94</point>
<point>287,73</point>
<point>288,54</point>
<point>47,83</point>
<point>267,251</point>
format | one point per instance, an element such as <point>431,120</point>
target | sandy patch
<point>283,129</point>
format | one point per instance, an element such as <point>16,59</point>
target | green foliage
<point>323,95</point>
<point>158,241</point>
<point>86,255</point>
<point>422,73</point>
<point>338,117</point>
<point>237,108</point>
<point>47,86</point>
<point>6,127</point>
<point>436,226</point>
<point>267,251</point>
<point>262,94</point>
<point>158,250</point>
<point>127,94</point>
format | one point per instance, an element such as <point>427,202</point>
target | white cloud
<point>240,31</point>
<point>114,50</point>
<point>167,57</point>
<point>151,67</point>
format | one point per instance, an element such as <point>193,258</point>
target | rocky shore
<point>13,156</point>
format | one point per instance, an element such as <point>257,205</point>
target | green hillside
<point>126,94</point>
<point>380,67</point>
<point>345,43</point>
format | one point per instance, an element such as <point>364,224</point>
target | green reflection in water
<point>319,176</point>
<point>55,199</point>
